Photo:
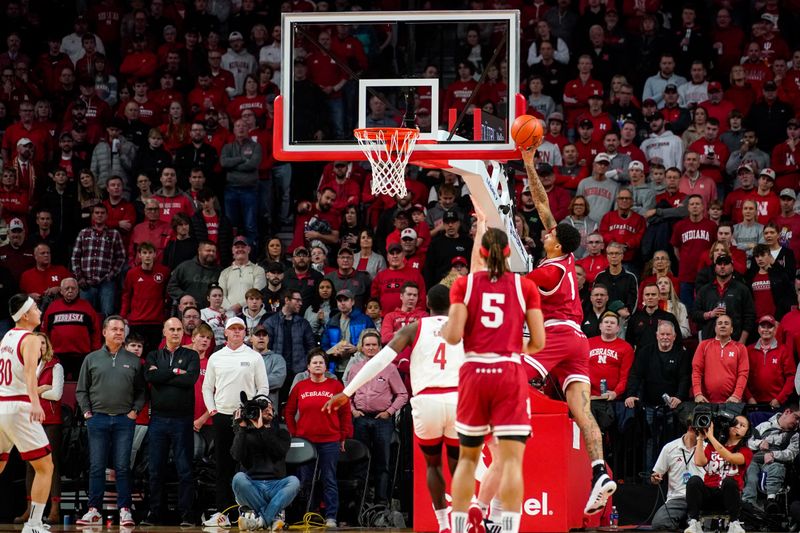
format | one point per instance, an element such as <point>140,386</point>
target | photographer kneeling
<point>725,466</point>
<point>260,446</point>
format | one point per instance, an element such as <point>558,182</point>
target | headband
<point>485,251</point>
<point>22,310</point>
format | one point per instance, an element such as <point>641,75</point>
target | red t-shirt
<point>733,203</point>
<point>199,403</point>
<point>762,295</point>
<point>768,207</point>
<point>495,313</point>
<point>212,224</point>
<point>718,468</point>
<point>610,361</point>
<point>692,239</point>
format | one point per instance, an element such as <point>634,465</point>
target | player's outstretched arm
<point>476,261</point>
<point>404,337</point>
<point>31,348</point>
<point>537,189</point>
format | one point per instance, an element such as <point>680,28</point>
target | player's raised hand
<point>335,403</point>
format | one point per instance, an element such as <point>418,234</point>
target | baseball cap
<point>746,167</point>
<point>234,321</point>
<point>723,260</point>
<point>636,165</point>
<point>450,216</point>
<point>585,123</point>
<point>240,239</point>
<point>788,193</point>
<point>770,86</point>
<point>615,305</point>
<point>602,157</point>
<point>769,319</point>
<point>394,247</point>
<point>234,35</point>
<point>671,88</point>
<point>15,224</point>
<point>275,267</point>
<point>344,250</point>
<point>596,95</point>
<point>458,260</point>
<point>556,116</point>
<point>300,250</point>
<point>768,172</point>
<point>714,87</point>
<point>23,142</point>
<point>649,101</point>
<point>259,329</point>
<point>344,293</point>
<point>416,208</point>
<point>408,233</point>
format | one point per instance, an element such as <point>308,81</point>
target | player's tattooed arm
<point>537,190</point>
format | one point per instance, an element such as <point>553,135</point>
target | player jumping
<point>488,308</point>
<point>566,352</point>
<point>21,414</point>
<point>434,370</point>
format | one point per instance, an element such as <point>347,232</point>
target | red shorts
<point>565,357</point>
<point>493,398</point>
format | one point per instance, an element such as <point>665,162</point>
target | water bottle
<point>666,398</point>
<point>603,386</point>
<point>613,521</point>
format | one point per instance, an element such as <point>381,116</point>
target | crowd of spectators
<point>139,183</point>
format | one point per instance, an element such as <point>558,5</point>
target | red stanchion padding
<point>557,473</point>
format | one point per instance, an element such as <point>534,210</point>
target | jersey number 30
<point>490,305</point>
<point>5,372</point>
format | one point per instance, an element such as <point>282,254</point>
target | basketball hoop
<point>388,150</point>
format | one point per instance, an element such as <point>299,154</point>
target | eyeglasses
<point>626,198</point>
<point>613,253</point>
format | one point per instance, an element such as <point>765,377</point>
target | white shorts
<point>434,418</point>
<point>16,429</point>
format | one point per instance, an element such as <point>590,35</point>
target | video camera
<point>704,414</point>
<point>251,409</point>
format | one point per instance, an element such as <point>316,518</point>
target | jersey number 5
<point>440,357</point>
<point>490,304</point>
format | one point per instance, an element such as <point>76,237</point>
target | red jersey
<point>611,361</point>
<point>496,310</point>
<point>558,288</point>
<point>732,207</point>
<point>718,468</point>
<point>691,240</point>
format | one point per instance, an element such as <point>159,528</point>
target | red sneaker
<point>475,519</point>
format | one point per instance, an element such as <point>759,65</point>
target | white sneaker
<point>217,520</point>
<point>602,488</point>
<point>735,527</point>
<point>277,525</point>
<point>91,518</point>
<point>126,518</point>
<point>695,526</point>
<point>35,527</point>
<point>331,522</point>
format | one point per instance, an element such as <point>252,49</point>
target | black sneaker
<point>151,520</point>
<point>186,521</point>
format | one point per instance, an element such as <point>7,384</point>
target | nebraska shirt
<point>692,239</point>
<point>609,360</point>
<point>718,468</point>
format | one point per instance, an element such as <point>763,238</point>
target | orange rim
<point>372,133</point>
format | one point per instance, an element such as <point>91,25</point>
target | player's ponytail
<point>495,250</point>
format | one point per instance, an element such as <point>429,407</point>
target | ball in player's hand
<point>527,131</point>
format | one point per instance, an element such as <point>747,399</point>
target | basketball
<point>527,131</point>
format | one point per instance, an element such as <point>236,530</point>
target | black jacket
<point>781,285</point>
<point>224,235</point>
<point>172,393</point>
<point>769,122</point>
<point>440,253</point>
<point>642,326</point>
<point>307,286</point>
<point>151,162</point>
<point>738,304</point>
<point>655,372</point>
<point>591,321</point>
<point>188,157</point>
<point>623,287</point>
<point>261,451</point>
<point>177,252</point>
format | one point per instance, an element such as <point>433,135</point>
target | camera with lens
<point>251,408</point>
<point>704,414</point>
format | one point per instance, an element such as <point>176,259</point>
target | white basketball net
<point>388,150</point>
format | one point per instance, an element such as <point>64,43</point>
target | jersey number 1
<point>440,357</point>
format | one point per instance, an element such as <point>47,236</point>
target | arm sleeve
<point>57,391</point>
<point>371,369</point>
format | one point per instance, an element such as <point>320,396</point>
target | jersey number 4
<point>440,357</point>
<point>5,372</point>
<point>490,305</point>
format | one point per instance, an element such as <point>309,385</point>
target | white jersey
<point>12,375</point>
<point>434,363</point>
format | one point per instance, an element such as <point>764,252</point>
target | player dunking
<point>566,352</point>
<point>488,308</point>
<point>434,370</point>
<point>21,414</point>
